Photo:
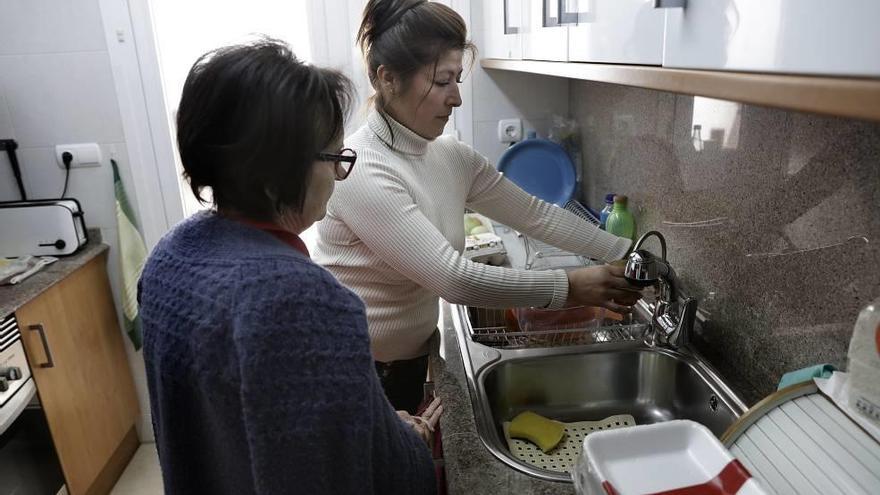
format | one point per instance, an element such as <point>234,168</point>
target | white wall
<point>499,95</point>
<point>57,87</point>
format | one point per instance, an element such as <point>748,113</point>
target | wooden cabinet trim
<point>835,96</point>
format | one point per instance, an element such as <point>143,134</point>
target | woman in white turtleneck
<point>394,233</point>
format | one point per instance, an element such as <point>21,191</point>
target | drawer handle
<point>669,4</point>
<point>50,363</point>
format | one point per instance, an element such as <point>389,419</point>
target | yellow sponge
<point>543,432</point>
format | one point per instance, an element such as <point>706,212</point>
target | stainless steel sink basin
<point>585,382</point>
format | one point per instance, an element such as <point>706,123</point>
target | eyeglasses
<point>343,162</point>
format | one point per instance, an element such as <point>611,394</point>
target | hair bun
<point>380,16</point>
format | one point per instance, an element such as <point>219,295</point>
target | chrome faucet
<point>673,320</point>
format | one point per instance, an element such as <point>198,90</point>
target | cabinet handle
<point>39,328</point>
<point>509,28</point>
<point>669,4</point>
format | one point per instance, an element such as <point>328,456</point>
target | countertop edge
<point>470,467</point>
<point>13,297</point>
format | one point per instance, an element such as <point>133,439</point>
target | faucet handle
<point>680,334</point>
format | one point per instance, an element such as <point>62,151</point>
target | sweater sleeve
<point>313,410</point>
<point>382,213</point>
<point>498,198</point>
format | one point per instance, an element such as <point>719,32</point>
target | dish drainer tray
<point>489,327</point>
<point>563,457</point>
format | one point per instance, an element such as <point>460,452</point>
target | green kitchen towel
<point>805,374</point>
<point>132,255</point>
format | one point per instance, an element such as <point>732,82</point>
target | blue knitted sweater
<point>260,374</point>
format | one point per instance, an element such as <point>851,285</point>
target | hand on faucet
<point>602,285</point>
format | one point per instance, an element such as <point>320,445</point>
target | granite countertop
<point>13,297</point>
<point>470,467</point>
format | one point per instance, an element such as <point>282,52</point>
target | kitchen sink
<point>571,378</point>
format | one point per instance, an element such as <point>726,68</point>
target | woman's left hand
<point>424,423</point>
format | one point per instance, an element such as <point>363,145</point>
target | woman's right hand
<point>604,286</point>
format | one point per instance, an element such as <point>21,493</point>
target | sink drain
<point>713,403</point>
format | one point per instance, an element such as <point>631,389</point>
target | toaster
<point>48,227</point>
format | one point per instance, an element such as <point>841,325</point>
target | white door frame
<point>134,59</point>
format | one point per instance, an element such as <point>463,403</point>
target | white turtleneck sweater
<point>394,235</point>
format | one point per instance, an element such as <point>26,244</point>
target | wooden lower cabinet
<point>83,377</point>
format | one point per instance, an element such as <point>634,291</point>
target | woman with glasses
<point>394,232</point>
<point>258,360</point>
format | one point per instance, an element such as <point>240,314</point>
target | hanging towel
<point>132,255</point>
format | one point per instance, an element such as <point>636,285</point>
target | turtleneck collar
<point>405,140</point>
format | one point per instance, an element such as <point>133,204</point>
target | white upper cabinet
<point>503,23</point>
<point>839,37</point>
<point>614,31</point>
<point>544,37</point>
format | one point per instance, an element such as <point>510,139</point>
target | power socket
<point>510,130</point>
<point>84,154</point>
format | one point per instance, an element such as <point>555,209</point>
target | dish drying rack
<point>489,327</point>
<point>542,256</point>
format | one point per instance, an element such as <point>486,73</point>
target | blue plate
<point>542,168</point>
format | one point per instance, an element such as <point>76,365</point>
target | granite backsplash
<point>772,218</point>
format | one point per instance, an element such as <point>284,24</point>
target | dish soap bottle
<point>603,215</point>
<point>864,363</point>
<point>620,221</point>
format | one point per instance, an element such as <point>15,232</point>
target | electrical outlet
<point>510,130</point>
<point>84,154</point>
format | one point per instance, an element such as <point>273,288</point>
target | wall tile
<point>46,26</point>
<point>8,189</point>
<point>784,272</point>
<point>6,129</point>
<point>499,94</point>
<point>61,98</point>
<point>42,177</point>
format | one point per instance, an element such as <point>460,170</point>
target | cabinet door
<point>502,24</point>
<point>615,31</point>
<point>87,393</point>
<point>544,37</point>
<point>789,36</point>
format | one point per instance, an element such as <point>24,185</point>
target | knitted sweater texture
<point>260,374</point>
<point>394,235</point>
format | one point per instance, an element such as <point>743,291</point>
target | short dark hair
<point>406,35</point>
<point>251,120</point>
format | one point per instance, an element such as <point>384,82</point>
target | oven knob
<point>10,373</point>
<point>4,385</point>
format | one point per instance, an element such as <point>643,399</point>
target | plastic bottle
<point>620,221</point>
<point>609,205</point>
<point>864,363</point>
